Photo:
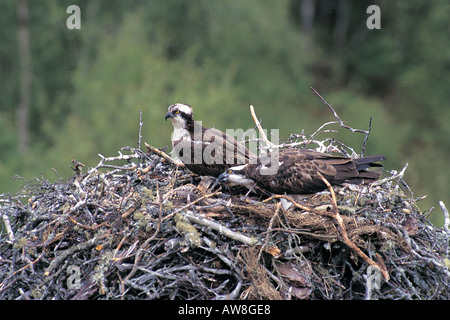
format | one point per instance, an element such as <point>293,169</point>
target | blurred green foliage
<point>221,56</point>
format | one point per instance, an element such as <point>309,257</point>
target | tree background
<point>75,93</point>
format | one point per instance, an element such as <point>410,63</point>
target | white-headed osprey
<point>205,151</point>
<point>297,172</point>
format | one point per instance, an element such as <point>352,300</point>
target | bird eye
<point>177,112</point>
<point>230,171</point>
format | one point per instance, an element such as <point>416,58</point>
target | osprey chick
<point>297,172</point>
<point>204,151</point>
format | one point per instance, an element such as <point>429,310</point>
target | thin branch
<point>393,177</point>
<point>446,217</point>
<point>366,137</point>
<point>261,130</point>
<point>164,155</point>
<point>63,256</point>
<point>193,218</point>
<point>141,123</point>
<point>302,207</point>
<point>7,225</point>
<point>265,247</point>
<point>344,235</point>
<point>343,125</point>
<point>191,203</point>
<point>144,246</point>
<point>121,156</point>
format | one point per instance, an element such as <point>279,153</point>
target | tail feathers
<point>367,162</point>
<point>365,177</point>
<point>369,176</point>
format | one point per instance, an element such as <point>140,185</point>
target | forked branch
<point>343,125</point>
<point>344,235</point>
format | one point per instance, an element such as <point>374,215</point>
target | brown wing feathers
<point>298,169</point>
<point>217,152</point>
<point>212,152</point>
<point>205,151</point>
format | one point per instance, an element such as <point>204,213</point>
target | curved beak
<point>168,115</point>
<point>222,178</point>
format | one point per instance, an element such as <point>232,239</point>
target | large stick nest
<point>139,227</point>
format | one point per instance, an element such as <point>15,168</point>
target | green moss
<point>189,231</point>
<point>21,243</point>
<point>138,215</point>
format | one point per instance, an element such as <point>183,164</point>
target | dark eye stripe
<point>184,115</point>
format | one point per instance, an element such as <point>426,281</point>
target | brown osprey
<point>205,151</point>
<point>297,172</point>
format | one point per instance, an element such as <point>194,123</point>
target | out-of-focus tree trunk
<point>307,8</point>
<point>23,108</point>
<point>341,24</point>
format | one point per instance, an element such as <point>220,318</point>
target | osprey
<point>205,151</point>
<point>297,172</point>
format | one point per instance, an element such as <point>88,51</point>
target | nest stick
<point>63,256</point>
<point>344,235</point>
<point>261,130</point>
<point>140,129</point>
<point>193,218</point>
<point>446,217</point>
<point>446,224</point>
<point>343,125</point>
<point>7,225</point>
<point>191,203</point>
<point>144,246</point>
<point>398,175</point>
<point>164,155</point>
<point>302,207</point>
<point>266,243</point>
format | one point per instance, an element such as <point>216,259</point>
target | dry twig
<point>343,125</point>
<point>164,155</point>
<point>344,235</point>
<point>269,144</point>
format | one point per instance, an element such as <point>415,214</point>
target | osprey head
<point>179,112</point>
<point>235,176</point>
<point>181,117</point>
